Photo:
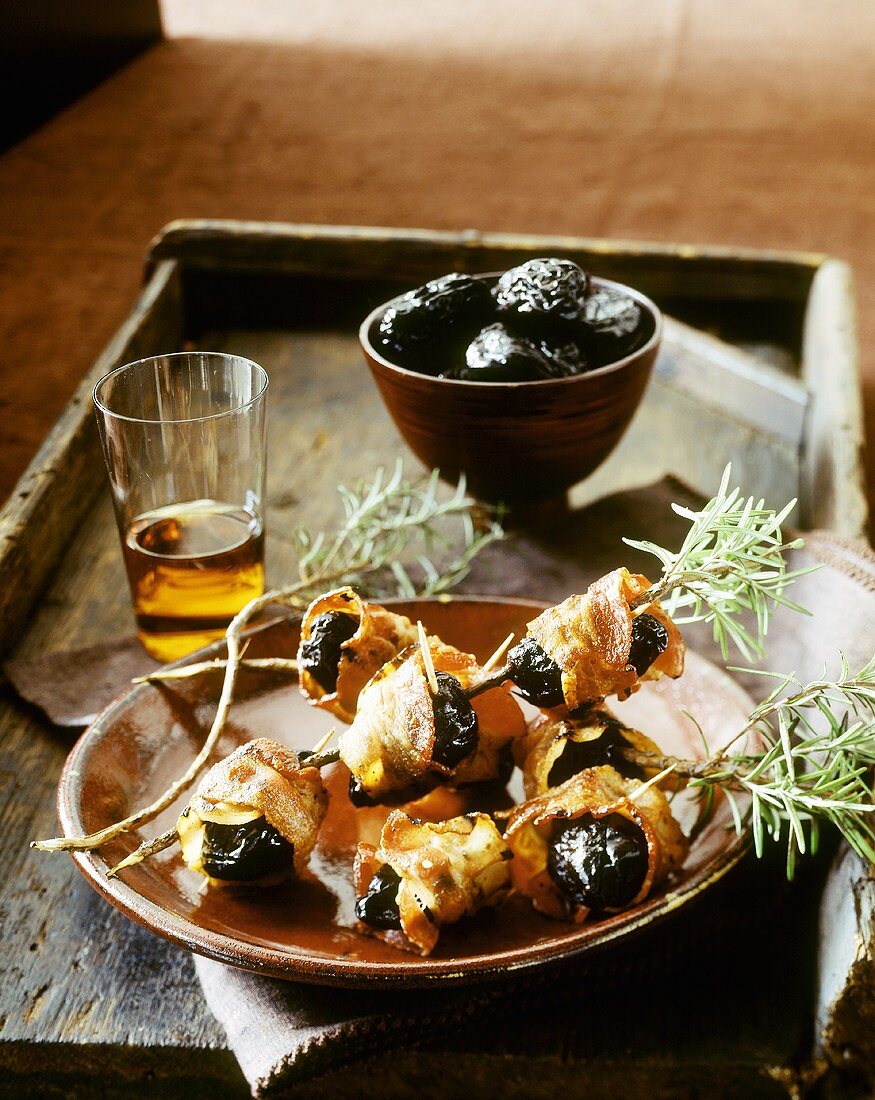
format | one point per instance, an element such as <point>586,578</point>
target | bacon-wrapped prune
<point>255,817</point>
<point>426,875</point>
<point>572,855</point>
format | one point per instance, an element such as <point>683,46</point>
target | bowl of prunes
<point>523,380</point>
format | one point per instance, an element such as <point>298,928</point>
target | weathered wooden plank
<point>845,1014</point>
<point>728,379</point>
<point>53,497</point>
<point>833,455</point>
<point>416,254</point>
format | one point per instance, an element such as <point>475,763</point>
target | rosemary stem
<point>276,664</point>
<point>689,769</point>
<point>321,759</point>
<point>146,849</point>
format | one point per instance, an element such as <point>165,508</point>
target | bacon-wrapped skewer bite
<point>416,728</point>
<point>555,748</point>
<point>426,875</point>
<point>604,642</point>
<point>597,842</point>
<point>254,819</point>
<point>345,640</point>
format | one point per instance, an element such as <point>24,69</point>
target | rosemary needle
<point>731,563</point>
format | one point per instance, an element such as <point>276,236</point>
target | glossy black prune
<point>455,720</point>
<point>542,295</point>
<point>379,906</point>
<point>577,756</point>
<point>427,316</point>
<point>615,323</point>
<point>496,355</point>
<point>320,653</point>
<point>537,676</point>
<point>245,853</point>
<point>600,863</point>
<point>565,359</point>
<point>649,640</point>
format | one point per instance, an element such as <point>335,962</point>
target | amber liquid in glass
<point>191,568</point>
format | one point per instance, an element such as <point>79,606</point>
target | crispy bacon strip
<point>590,636</point>
<point>389,746</point>
<point>448,870</point>
<point>381,634</point>
<point>549,736</point>
<point>260,779</point>
<point>596,792</point>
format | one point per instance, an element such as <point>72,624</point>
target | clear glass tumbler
<point>184,437</point>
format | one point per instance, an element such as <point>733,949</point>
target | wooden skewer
<point>427,660</point>
<point>323,741</point>
<point>498,654</point>
<point>652,782</point>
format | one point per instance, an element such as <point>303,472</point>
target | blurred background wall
<point>748,124</point>
<point>53,51</point>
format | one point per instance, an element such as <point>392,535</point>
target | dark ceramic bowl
<point>516,441</point>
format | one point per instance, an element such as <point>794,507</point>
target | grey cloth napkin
<point>282,1033</point>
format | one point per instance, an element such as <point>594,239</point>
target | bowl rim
<point>598,372</point>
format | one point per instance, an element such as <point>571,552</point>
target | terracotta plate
<point>307,931</point>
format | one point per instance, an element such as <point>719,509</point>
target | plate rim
<point>310,967</point>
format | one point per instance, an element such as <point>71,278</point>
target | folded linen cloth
<point>283,1033</point>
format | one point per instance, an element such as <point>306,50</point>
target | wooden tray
<point>769,380</point>
<point>771,385</point>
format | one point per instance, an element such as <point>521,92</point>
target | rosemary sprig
<point>384,519</point>
<point>815,764</point>
<point>730,563</point>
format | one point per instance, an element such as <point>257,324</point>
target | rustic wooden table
<point>91,1004</point>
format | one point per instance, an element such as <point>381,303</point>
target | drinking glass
<point>184,440</point>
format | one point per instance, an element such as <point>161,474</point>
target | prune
<point>649,640</point>
<point>379,906</point>
<point>615,322</point>
<point>577,756</point>
<point>496,355</point>
<point>455,720</point>
<point>245,853</point>
<point>543,294</point>
<point>600,863</point>
<point>358,796</point>
<point>537,676</point>
<point>565,359</point>
<point>424,318</point>
<point>320,653</point>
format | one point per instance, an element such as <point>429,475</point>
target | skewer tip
<point>492,661</point>
<point>427,659</point>
<point>323,741</point>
